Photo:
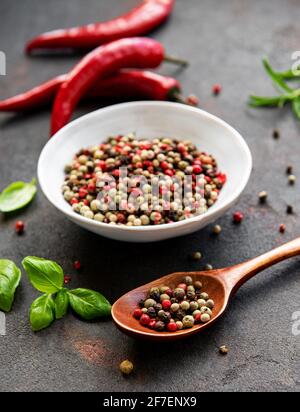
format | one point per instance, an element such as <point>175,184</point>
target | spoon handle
<point>236,276</point>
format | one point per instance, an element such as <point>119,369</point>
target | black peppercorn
<point>174,300</point>
<point>180,314</point>
<point>159,326</point>
<point>141,303</point>
<point>157,307</point>
<point>155,295</point>
<point>151,312</point>
<point>164,316</point>
<point>190,294</point>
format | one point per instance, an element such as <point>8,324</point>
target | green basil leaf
<point>10,276</point>
<point>296,107</point>
<point>61,303</point>
<point>89,304</point>
<point>45,275</point>
<point>42,313</point>
<point>17,195</point>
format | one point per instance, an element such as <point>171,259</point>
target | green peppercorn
<point>149,303</point>
<point>175,307</point>
<point>208,267</point>
<point>198,284</point>
<point>145,310</point>
<point>163,289</point>
<point>126,367</point>
<point>179,325</point>
<point>201,302</point>
<point>205,309</point>
<point>194,306</point>
<point>154,291</point>
<point>210,304</point>
<point>179,293</point>
<point>159,326</point>
<point>188,280</point>
<point>204,296</point>
<point>191,288</point>
<point>188,322</point>
<point>164,297</point>
<point>185,305</point>
<point>205,318</point>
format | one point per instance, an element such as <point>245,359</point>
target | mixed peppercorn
<point>96,188</point>
<point>167,309</point>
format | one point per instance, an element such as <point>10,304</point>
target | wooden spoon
<point>221,285</point>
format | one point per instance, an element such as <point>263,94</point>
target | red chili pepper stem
<point>175,96</point>
<point>176,60</point>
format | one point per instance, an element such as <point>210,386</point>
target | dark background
<point>225,41</point>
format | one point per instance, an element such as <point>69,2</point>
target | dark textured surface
<point>224,40</point>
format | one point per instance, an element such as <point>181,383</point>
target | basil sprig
<point>17,195</point>
<point>287,94</point>
<point>10,276</point>
<point>48,277</point>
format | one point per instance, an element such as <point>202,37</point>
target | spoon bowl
<point>221,285</point>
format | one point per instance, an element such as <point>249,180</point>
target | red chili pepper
<point>124,84</point>
<point>140,21</point>
<point>102,62</point>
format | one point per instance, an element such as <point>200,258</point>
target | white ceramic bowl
<point>148,120</point>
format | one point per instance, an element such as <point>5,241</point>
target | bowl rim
<point>167,226</point>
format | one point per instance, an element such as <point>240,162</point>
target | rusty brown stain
<point>93,351</point>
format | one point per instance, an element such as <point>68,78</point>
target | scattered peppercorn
<point>282,228</point>
<point>208,267</point>
<point>289,210</point>
<point>217,88</point>
<point>238,217</point>
<point>292,179</point>
<point>77,265</point>
<point>192,100</point>
<point>20,227</point>
<point>197,256</point>
<point>224,350</point>
<point>263,196</point>
<point>67,279</point>
<point>276,134</point>
<point>217,229</point>
<point>126,367</point>
<point>187,306</point>
<point>289,170</point>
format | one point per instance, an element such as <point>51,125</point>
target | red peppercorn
<point>169,292</point>
<point>83,193</point>
<point>67,279</point>
<point>74,201</point>
<point>282,228</point>
<point>181,147</point>
<point>121,218</point>
<point>238,217</point>
<point>77,265</point>
<point>166,304</point>
<point>152,324</point>
<point>169,172</point>
<point>145,320</point>
<point>20,227</point>
<point>172,327</point>
<point>182,286</point>
<point>164,165</point>
<point>91,187</point>
<point>197,169</point>
<point>217,88</point>
<point>137,314</point>
<point>102,165</point>
<point>198,318</point>
<point>86,202</point>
